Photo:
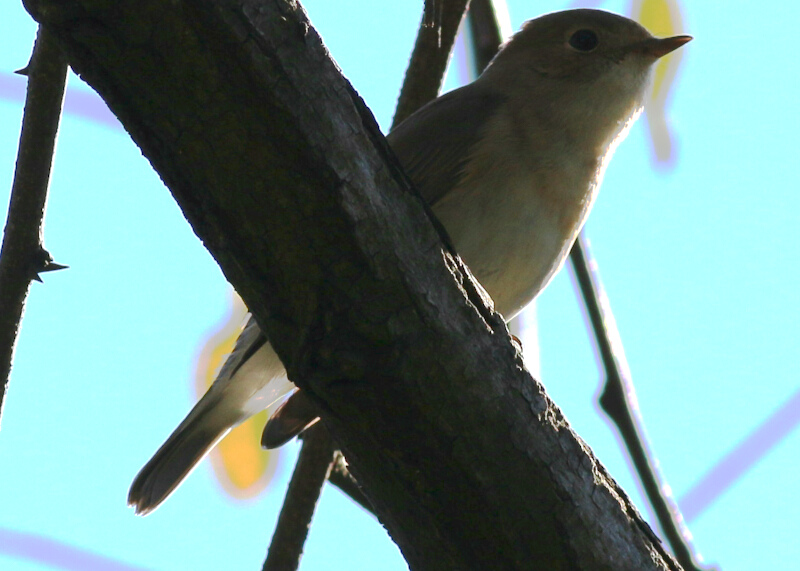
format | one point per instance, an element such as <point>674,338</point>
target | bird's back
<point>511,210</point>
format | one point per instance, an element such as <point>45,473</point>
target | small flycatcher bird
<point>510,164</point>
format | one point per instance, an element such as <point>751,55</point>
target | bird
<point>510,164</point>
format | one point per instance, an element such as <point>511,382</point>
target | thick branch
<point>23,255</point>
<point>422,83</point>
<point>283,173</point>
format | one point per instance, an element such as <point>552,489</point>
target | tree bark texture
<point>282,172</point>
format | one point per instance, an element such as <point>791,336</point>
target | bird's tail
<point>178,456</point>
<point>250,380</point>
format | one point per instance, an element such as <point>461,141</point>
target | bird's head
<point>587,67</point>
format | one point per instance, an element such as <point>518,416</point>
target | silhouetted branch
<point>485,30</point>
<point>313,467</point>
<point>425,73</point>
<point>424,76</point>
<point>23,256</point>
<point>618,400</point>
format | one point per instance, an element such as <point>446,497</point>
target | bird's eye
<point>584,40</point>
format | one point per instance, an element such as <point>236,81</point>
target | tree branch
<point>618,401</point>
<point>423,80</point>
<point>23,256</point>
<point>283,173</point>
<point>310,473</point>
<point>485,29</point>
<point>432,51</point>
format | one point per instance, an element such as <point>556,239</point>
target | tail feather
<point>174,461</point>
<point>251,379</point>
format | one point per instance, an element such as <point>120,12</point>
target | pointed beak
<point>659,47</point>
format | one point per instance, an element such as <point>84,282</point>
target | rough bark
<point>282,172</point>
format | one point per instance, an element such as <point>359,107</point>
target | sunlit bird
<point>511,165</point>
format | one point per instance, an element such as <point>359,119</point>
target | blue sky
<point>700,263</point>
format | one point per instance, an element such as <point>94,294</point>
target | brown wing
<point>434,143</point>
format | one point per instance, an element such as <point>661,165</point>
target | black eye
<point>584,40</point>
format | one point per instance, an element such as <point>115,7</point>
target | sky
<point>698,256</point>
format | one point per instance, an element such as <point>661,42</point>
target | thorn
<point>48,267</point>
<point>53,267</point>
<point>43,262</point>
<point>23,71</point>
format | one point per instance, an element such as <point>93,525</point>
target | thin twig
<point>618,400</point>
<point>425,73</point>
<point>310,473</point>
<point>486,35</point>
<point>23,256</point>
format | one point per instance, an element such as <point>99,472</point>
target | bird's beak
<point>659,47</point>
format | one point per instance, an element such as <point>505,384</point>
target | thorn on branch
<point>23,257</point>
<point>42,262</point>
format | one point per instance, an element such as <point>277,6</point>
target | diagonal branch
<point>485,29</point>
<point>432,51</point>
<point>618,401</point>
<point>23,256</point>
<point>310,473</point>
<point>344,480</point>
<point>423,80</point>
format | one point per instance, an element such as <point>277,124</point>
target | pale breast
<point>514,226</point>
